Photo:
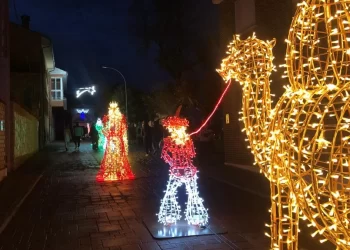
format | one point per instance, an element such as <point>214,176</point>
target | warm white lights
<point>115,164</point>
<point>302,145</point>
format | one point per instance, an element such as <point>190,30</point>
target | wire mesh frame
<point>317,61</point>
<point>302,144</point>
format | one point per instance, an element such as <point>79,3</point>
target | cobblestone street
<point>68,209</point>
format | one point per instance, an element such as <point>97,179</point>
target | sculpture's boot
<point>169,212</point>
<point>196,213</point>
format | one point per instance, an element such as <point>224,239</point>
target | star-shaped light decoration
<point>81,91</point>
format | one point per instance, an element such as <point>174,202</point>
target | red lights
<point>178,152</point>
<point>215,108</point>
<point>115,164</point>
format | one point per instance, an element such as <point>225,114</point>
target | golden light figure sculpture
<point>115,164</point>
<point>302,144</point>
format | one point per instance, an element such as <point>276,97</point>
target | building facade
<point>5,101</point>
<point>26,73</point>
<point>58,88</point>
<point>31,60</point>
<point>268,19</point>
<point>46,116</point>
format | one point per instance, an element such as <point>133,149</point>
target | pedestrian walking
<point>157,135</point>
<point>67,136</point>
<point>132,133</point>
<point>139,134</point>
<point>78,133</point>
<point>151,126</point>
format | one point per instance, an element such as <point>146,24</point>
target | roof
<point>58,71</point>
<point>46,45</point>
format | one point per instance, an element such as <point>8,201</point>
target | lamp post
<point>126,94</point>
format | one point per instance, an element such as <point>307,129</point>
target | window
<point>56,88</point>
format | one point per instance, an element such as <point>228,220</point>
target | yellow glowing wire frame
<point>302,145</point>
<point>115,116</point>
<point>114,159</point>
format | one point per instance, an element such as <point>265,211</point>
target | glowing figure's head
<point>177,128</point>
<point>248,59</point>
<point>99,123</point>
<point>114,112</point>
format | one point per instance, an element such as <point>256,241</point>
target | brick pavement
<point>18,183</point>
<point>69,210</point>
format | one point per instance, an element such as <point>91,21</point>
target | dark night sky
<point>89,33</point>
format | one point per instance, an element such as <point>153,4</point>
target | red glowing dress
<point>115,164</point>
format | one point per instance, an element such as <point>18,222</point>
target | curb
<point>18,206</point>
<point>237,186</point>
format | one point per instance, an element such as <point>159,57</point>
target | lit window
<point>56,88</point>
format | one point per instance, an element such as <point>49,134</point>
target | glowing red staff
<point>214,110</point>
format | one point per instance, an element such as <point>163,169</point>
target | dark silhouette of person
<point>157,134</point>
<point>147,135</point>
<point>78,133</point>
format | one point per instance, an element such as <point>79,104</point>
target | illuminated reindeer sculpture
<point>302,145</point>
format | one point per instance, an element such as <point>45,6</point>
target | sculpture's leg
<point>293,211</point>
<point>169,211</point>
<point>196,213</point>
<point>284,218</point>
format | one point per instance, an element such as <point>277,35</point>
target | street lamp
<point>126,94</point>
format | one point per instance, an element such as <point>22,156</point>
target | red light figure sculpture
<point>115,164</point>
<point>178,151</point>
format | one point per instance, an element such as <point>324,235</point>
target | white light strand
<point>178,152</point>
<point>81,91</point>
<point>85,111</point>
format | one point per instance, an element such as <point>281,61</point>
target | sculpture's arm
<point>190,151</point>
<point>166,151</point>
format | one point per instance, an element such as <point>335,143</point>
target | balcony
<point>59,102</point>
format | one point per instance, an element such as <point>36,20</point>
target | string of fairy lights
<point>317,64</point>
<point>115,164</point>
<point>302,144</point>
<point>178,151</point>
<point>101,137</point>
